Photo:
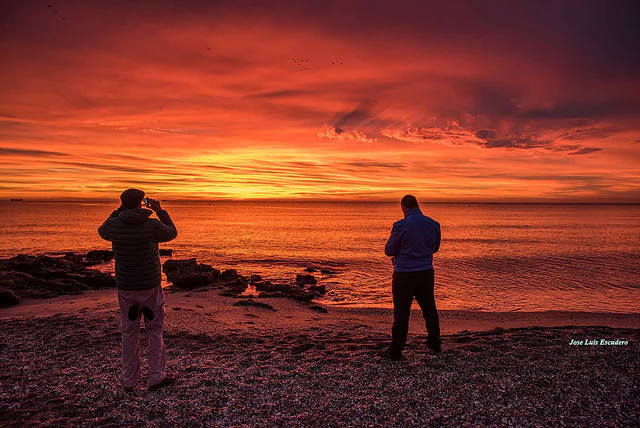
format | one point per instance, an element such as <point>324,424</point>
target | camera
<point>145,202</point>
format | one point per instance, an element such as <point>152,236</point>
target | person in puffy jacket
<point>413,242</point>
<point>135,237</point>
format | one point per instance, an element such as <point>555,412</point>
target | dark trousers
<point>406,286</point>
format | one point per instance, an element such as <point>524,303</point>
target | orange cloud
<point>228,100</point>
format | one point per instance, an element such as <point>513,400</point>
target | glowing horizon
<point>212,100</point>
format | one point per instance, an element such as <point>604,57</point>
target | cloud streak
<point>307,99</point>
<point>7,151</point>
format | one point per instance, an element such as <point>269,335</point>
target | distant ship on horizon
<point>15,200</point>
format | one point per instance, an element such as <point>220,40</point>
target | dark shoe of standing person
<point>435,346</point>
<point>391,355</point>
<point>127,390</point>
<point>165,382</point>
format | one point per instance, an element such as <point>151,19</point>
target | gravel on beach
<point>63,370</point>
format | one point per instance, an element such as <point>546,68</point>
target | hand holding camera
<point>152,203</point>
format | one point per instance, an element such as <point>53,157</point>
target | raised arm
<point>103,230</point>
<point>165,230</point>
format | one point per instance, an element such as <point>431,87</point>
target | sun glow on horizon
<point>231,102</point>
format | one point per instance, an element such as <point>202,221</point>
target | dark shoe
<point>393,356</point>
<point>165,382</point>
<point>435,347</point>
<point>127,390</point>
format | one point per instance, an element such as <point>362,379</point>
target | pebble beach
<point>289,363</point>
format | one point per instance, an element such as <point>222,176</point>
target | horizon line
<point>294,200</point>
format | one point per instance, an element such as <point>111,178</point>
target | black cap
<point>132,198</point>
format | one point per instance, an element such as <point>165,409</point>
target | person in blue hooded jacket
<point>413,242</point>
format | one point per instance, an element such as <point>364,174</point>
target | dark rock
<point>9,298</point>
<point>271,294</point>
<point>302,295</point>
<point>188,274</point>
<point>310,269</point>
<point>305,279</point>
<point>77,258</point>
<point>96,280</point>
<point>269,289</point>
<point>250,302</point>
<point>103,255</point>
<point>190,281</point>
<point>267,286</point>
<point>179,265</point>
<point>213,273</point>
<point>327,271</point>
<point>44,276</point>
<point>92,262</point>
<point>11,280</point>
<point>238,286</point>
<point>166,252</point>
<point>320,289</point>
<point>319,309</point>
<point>229,275</point>
<point>259,285</point>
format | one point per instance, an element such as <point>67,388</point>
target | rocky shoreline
<point>42,276</point>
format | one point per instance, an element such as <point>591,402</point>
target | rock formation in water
<point>42,277</point>
<point>39,277</point>
<point>189,274</point>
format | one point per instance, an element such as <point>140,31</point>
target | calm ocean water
<point>494,257</point>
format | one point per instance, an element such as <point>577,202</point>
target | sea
<point>493,257</point>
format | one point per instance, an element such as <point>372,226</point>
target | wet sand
<point>292,365</point>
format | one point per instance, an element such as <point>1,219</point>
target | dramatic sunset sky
<point>449,100</point>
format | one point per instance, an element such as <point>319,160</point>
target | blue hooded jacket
<point>413,242</point>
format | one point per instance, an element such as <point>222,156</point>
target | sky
<point>329,100</point>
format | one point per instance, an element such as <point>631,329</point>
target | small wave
<point>292,262</point>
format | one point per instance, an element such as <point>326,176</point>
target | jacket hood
<point>135,215</point>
